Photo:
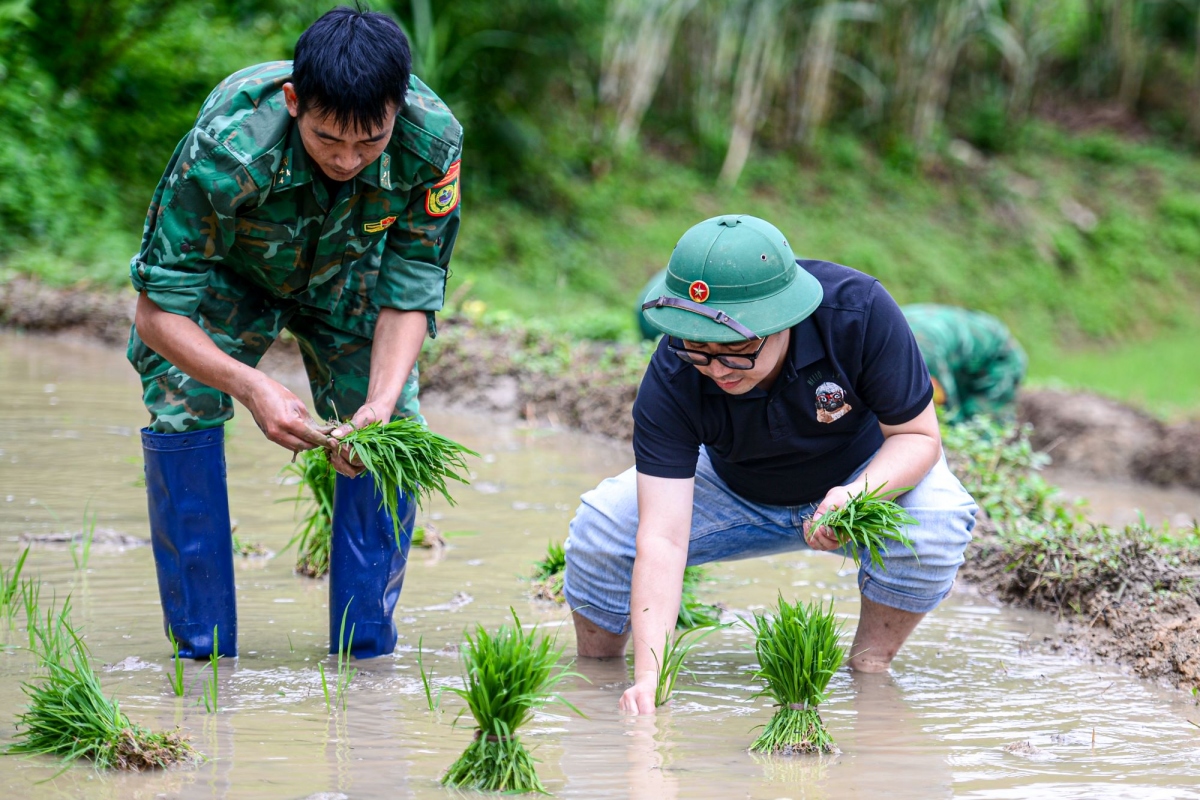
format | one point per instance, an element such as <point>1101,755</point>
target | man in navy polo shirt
<point>781,388</point>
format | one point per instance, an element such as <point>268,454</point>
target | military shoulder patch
<point>381,225</point>
<point>442,197</point>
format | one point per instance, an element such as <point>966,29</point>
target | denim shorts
<point>725,526</point>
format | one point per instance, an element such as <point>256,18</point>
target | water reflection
<point>972,681</point>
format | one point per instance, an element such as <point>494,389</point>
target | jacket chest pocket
<point>276,249</point>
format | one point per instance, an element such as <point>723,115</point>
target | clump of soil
<point>1120,594</point>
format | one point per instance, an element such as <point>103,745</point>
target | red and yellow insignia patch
<point>377,227</point>
<point>443,197</point>
<point>698,291</point>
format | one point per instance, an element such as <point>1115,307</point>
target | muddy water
<point>973,681</point>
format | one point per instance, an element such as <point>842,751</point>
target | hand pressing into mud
<point>639,698</point>
<point>340,456</point>
<point>821,538</point>
<point>283,417</point>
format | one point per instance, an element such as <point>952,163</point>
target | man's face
<point>340,152</point>
<point>740,381</point>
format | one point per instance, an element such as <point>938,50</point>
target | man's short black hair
<point>351,64</point>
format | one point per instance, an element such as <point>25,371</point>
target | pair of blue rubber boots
<point>193,551</point>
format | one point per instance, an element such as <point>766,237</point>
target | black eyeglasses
<point>700,358</point>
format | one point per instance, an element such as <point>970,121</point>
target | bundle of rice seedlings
<point>69,716</point>
<point>507,677</point>
<point>315,533</point>
<point>405,456</point>
<point>799,650</point>
<point>547,584</point>
<point>693,612</point>
<point>548,574</point>
<point>867,521</point>
<point>428,536</point>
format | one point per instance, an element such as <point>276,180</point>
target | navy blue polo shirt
<point>850,365</point>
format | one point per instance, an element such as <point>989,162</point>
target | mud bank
<point>1120,600</point>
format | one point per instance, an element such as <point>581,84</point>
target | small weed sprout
<point>315,532</point>
<point>507,676</point>
<point>670,666</point>
<point>425,676</point>
<point>867,521</point>
<point>799,650</point>
<point>210,683</point>
<point>10,587</point>
<point>69,716</point>
<point>405,457</point>
<point>176,677</point>
<point>82,552</point>
<point>345,673</point>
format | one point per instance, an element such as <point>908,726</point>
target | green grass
<point>799,649</point>
<point>506,677</point>
<point>1110,308</point>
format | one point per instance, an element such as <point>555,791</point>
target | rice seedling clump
<point>868,521</point>
<point>547,584</point>
<point>799,649</point>
<point>69,716</point>
<point>315,534</point>
<point>508,675</point>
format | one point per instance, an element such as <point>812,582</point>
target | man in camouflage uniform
<point>320,196</point>
<point>975,363</point>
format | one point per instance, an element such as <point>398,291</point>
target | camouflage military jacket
<point>241,194</point>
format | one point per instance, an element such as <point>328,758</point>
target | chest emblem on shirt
<point>831,402</point>
<point>698,291</point>
<point>442,197</point>
<point>376,227</point>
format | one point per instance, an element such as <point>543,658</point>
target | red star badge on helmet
<point>698,291</point>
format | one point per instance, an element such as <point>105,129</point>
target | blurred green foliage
<point>906,138</point>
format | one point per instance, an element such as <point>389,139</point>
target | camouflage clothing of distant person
<point>321,197</point>
<point>976,364</point>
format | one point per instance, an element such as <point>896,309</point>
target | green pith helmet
<point>730,279</point>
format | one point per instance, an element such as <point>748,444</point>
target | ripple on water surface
<point>975,707</point>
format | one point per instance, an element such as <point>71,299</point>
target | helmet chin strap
<point>716,315</point>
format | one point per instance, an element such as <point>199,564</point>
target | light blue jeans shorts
<point>725,526</point>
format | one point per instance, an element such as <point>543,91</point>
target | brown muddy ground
<point>1140,610</point>
<point>1137,606</point>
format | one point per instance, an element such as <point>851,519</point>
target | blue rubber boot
<point>366,567</point>
<point>191,539</point>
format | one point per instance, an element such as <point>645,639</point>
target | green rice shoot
<point>211,685</point>
<point>10,587</point>
<point>405,457</point>
<point>799,650</point>
<point>70,718</point>
<point>547,584</point>
<point>176,676</point>
<point>670,665</point>
<point>868,521</point>
<point>507,676</point>
<point>314,535</point>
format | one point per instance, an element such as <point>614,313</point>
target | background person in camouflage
<point>320,196</point>
<point>976,364</point>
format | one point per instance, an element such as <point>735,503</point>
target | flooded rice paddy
<point>976,706</point>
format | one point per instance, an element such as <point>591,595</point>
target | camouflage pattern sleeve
<point>412,274</point>
<point>190,223</point>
